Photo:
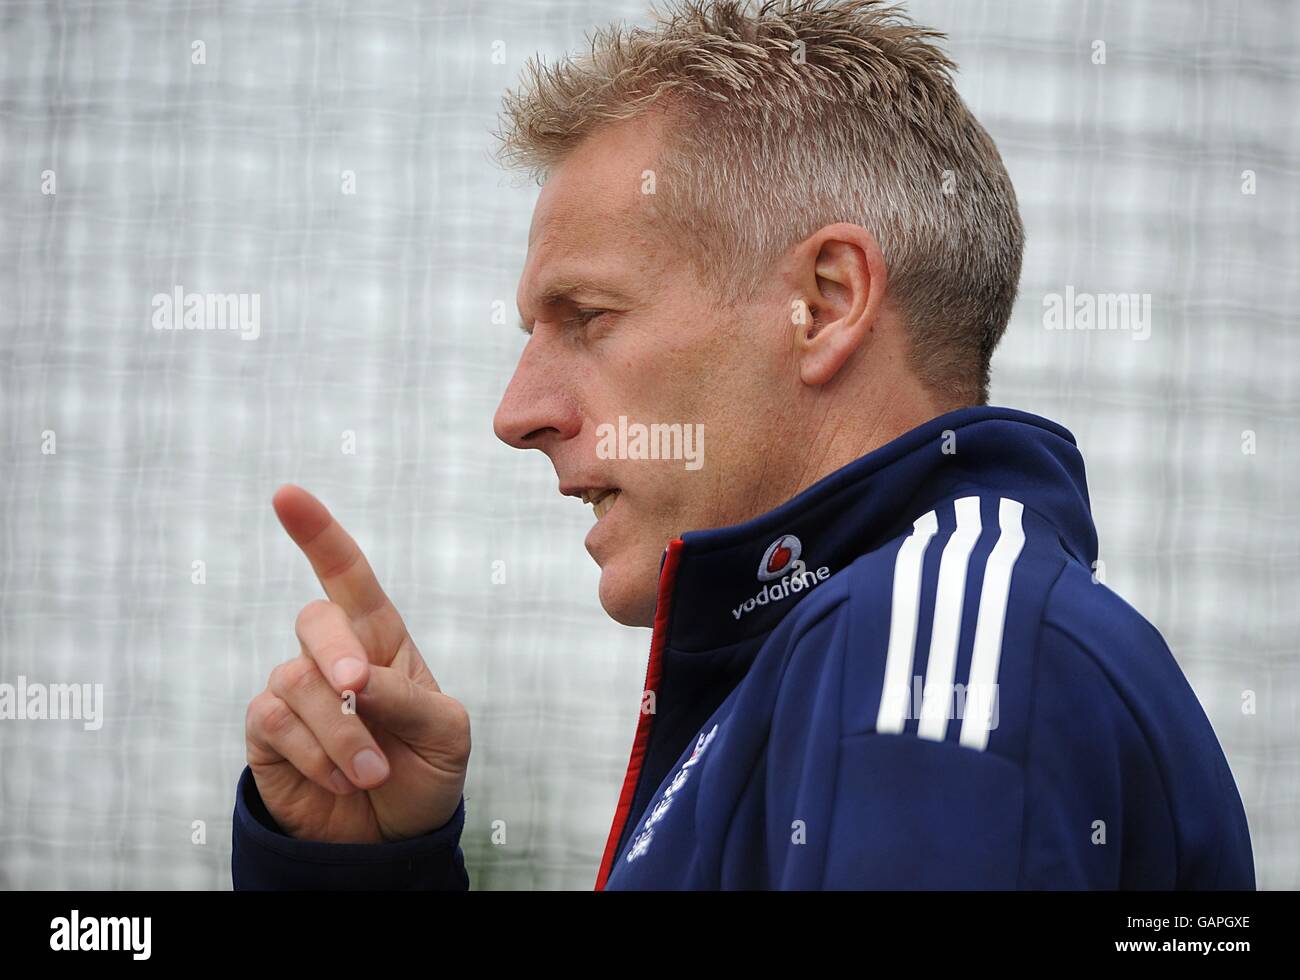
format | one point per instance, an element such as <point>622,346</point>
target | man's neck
<point>840,436</point>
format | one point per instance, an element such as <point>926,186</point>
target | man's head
<point>780,227</point>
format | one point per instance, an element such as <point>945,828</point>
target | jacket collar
<point>735,583</point>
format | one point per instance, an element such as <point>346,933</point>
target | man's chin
<point>628,594</point>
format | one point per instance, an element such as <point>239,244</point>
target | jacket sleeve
<point>911,813</point>
<point>263,858</point>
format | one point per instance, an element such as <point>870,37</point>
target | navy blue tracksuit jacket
<point>908,676</point>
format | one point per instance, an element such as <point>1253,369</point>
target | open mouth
<point>601,500</point>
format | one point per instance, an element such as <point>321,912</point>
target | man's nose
<point>537,407</point>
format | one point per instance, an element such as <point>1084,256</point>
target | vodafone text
<point>802,578</point>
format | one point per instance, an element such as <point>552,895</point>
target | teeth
<point>603,502</point>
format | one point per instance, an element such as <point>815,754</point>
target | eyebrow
<point>567,288</point>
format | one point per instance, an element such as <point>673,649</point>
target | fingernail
<point>370,766</point>
<point>340,783</point>
<point>347,671</point>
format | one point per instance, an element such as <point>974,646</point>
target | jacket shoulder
<point>944,621</point>
<point>976,632</point>
<point>1150,730</point>
<point>955,628</point>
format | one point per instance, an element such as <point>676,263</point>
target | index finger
<point>342,569</point>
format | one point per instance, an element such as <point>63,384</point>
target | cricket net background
<point>377,318</point>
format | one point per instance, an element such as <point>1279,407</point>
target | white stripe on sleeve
<point>902,625</point>
<point>936,705</point>
<point>987,654</point>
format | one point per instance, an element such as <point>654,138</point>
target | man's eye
<point>584,317</point>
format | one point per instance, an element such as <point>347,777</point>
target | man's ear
<point>840,279</point>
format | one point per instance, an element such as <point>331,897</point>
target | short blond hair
<point>792,116</point>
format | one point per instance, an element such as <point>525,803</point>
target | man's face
<point>621,327</point>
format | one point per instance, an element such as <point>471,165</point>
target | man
<point>880,655</point>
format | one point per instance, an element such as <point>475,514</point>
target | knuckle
<point>348,733</point>
<point>253,716</point>
<point>275,683</point>
<point>457,727</point>
<point>279,720</point>
<point>272,718</point>
<point>294,679</point>
<point>458,714</point>
<point>302,678</point>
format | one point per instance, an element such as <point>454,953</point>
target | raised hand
<point>353,741</point>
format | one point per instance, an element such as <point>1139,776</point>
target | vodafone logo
<point>784,572</point>
<point>780,555</point>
